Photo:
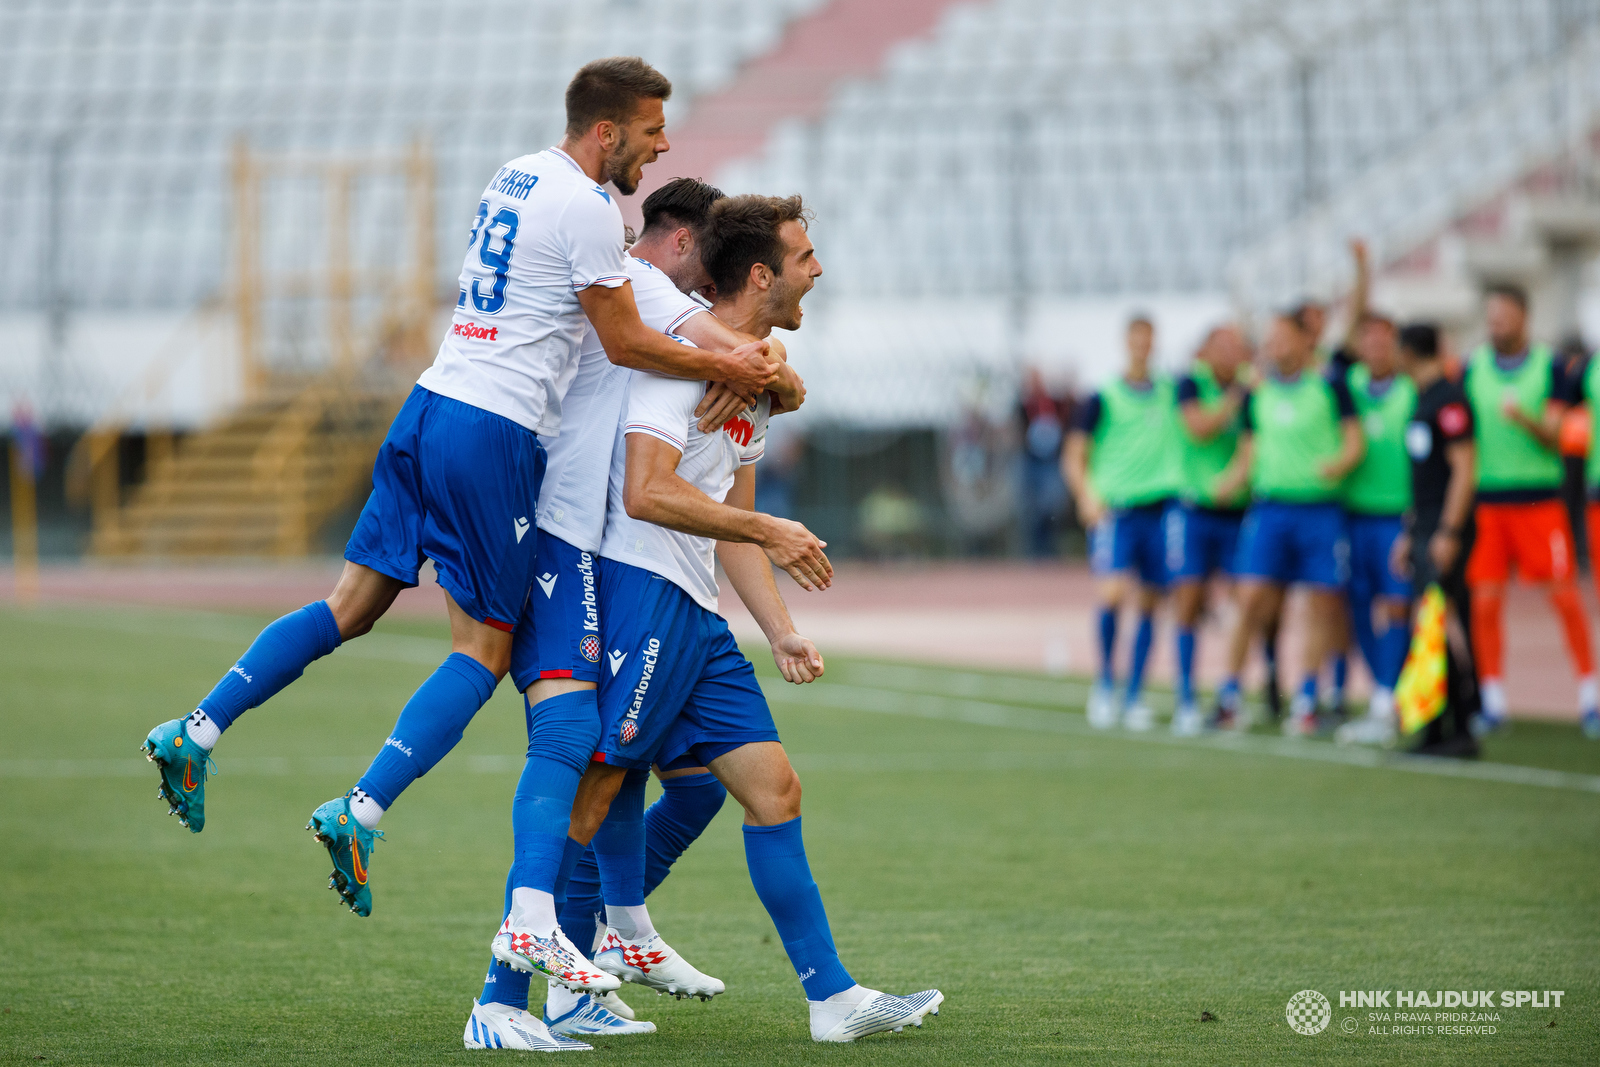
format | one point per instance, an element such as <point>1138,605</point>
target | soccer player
<point>458,477</point>
<point>1438,536</point>
<point>1203,529</point>
<point>556,652</point>
<point>1376,497</point>
<point>1301,438</point>
<point>1121,462</point>
<point>1518,393</point>
<point>1585,389</point>
<point>676,690</point>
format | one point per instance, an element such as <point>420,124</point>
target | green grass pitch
<point>1079,898</point>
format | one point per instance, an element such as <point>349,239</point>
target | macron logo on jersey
<point>547,582</point>
<point>616,656</point>
<point>521,527</point>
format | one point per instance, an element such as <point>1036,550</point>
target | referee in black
<point>1438,535</point>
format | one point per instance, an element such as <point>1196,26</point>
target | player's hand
<point>719,405</point>
<point>797,658</point>
<point>1400,556</point>
<point>1443,547</point>
<point>749,371</point>
<point>798,552</point>
<point>789,389</point>
<point>1091,511</point>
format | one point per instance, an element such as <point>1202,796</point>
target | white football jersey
<point>572,504</point>
<point>664,408</point>
<point>544,232</point>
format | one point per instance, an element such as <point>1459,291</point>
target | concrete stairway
<point>262,482</point>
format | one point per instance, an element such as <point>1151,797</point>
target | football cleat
<point>1138,718</point>
<point>554,957</point>
<point>1102,707</point>
<point>1368,730</point>
<point>591,1018</point>
<point>873,1014</point>
<point>1591,724</point>
<point>656,965</point>
<point>502,1026</point>
<point>349,844</point>
<point>184,766</point>
<point>614,1004</point>
<point>1301,720</point>
<point>1186,721</point>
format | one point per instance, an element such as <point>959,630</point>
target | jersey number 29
<point>498,260</point>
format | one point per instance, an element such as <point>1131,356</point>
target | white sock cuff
<point>202,729</point>
<point>366,810</point>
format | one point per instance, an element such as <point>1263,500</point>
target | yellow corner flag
<point>1419,696</point>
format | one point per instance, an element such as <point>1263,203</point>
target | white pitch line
<point>983,713</point>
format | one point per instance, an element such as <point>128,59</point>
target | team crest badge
<point>629,731</point>
<point>590,647</point>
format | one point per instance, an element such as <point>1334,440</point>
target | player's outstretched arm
<point>653,492</point>
<point>630,343</point>
<point>747,568</point>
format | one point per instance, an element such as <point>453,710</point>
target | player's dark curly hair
<point>681,202</point>
<point>609,90</point>
<point>743,231</point>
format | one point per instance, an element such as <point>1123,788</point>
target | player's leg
<point>475,485</point>
<point>383,556</point>
<point>1259,565</point>
<point>1322,564</point>
<point>761,779</point>
<point>1366,571</point>
<point>1488,568</point>
<point>1545,553</point>
<point>1150,566</point>
<point>1185,567</point>
<point>1110,558</point>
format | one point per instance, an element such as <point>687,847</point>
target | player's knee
<point>564,728</point>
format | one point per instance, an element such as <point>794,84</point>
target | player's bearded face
<point>624,167</point>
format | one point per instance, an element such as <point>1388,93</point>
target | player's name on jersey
<point>513,182</point>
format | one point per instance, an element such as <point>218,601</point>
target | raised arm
<point>751,576</point>
<point>630,343</point>
<point>653,492</point>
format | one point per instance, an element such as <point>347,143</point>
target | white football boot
<point>1102,707</point>
<point>1376,727</point>
<point>554,957</point>
<point>582,1015</point>
<point>614,1004</point>
<point>502,1026</point>
<point>1138,718</point>
<point>1186,721</point>
<point>872,1014</point>
<point>656,965</point>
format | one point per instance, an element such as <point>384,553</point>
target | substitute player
<point>1585,389</point>
<point>458,476</point>
<point>1121,462</point>
<point>677,689</point>
<point>1203,529</point>
<point>556,651</point>
<point>1301,438</point>
<point>1518,394</point>
<point>1376,497</point>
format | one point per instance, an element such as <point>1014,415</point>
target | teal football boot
<point>184,766</point>
<point>349,844</point>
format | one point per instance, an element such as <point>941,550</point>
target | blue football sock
<point>277,656</point>
<point>1185,665</point>
<point>1142,640</point>
<point>1228,693</point>
<point>619,844</point>
<point>1108,642</point>
<point>681,814</point>
<point>1308,689</point>
<point>685,808</point>
<point>1341,674</point>
<point>562,733</point>
<point>429,726</point>
<point>1361,627</point>
<point>782,879</point>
